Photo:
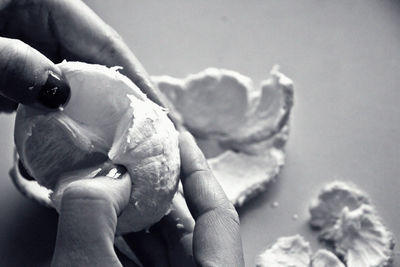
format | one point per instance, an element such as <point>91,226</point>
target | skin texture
<point>35,34</point>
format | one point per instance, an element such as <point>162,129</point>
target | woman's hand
<point>36,34</point>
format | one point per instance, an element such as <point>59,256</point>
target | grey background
<point>344,59</point>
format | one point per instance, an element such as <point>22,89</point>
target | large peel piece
<point>242,129</point>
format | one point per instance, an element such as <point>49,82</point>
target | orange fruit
<point>107,121</point>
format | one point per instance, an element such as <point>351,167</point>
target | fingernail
<point>115,172</point>
<point>55,92</point>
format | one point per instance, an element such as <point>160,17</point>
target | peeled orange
<point>107,121</point>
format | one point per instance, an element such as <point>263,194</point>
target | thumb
<point>28,77</point>
<point>88,220</point>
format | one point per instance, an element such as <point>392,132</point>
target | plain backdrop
<point>345,61</point>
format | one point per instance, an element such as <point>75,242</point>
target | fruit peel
<point>325,258</point>
<point>296,251</point>
<point>247,126</point>
<point>350,224</point>
<point>287,251</point>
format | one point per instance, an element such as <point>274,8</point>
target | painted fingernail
<point>55,92</point>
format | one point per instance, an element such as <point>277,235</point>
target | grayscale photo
<point>179,133</point>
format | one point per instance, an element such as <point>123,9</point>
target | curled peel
<point>326,209</point>
<point>350,224</point>
<point>242,129</point>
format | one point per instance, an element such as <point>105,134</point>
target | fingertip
<point>185,137</point>
<point>29,77</point>
<point>55,92</point>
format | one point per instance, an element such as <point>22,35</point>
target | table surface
<point>344,58</point>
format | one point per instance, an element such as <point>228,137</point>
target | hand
<point>37,33</point>
<point>88,219</point>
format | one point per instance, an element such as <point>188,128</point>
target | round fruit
<point>107,121</point>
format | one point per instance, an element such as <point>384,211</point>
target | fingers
<point>100,44</point>
<point>176,229</point>
<point>202,191</point>
<point>54,26</point>
<point>87,222</point>
<point>216,238</point>
<point>168,242</point>
<point>30,78</point>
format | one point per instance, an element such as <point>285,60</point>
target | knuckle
<point>232,215</point>
<point>111,43</point>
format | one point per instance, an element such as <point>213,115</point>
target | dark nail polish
<point>55,92</point>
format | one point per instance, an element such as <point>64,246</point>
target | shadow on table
<point>28,235</point>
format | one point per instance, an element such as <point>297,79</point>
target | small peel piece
<point>242,129</point>
<point>326,209</point>
<point>238,171</point>
<point>287,251</point>
<point>295,251</point>
<point>350,224</point>
<point>325,258</point>
<point>360,238</point>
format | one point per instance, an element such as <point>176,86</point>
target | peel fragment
<point>287,251</point>
<point>325,258</point>
<point>295,251</point>
<point>350,224</point>
<point>242,129</point>
<point>326,209</point>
